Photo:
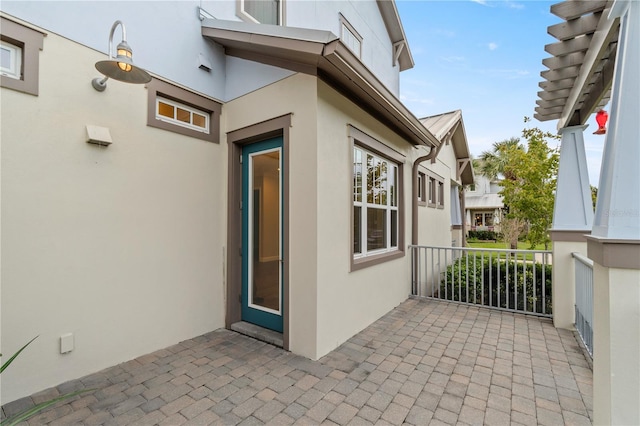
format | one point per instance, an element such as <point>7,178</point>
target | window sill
<point>365,262</point>
<point>422,203</point>
<point>441,207</point>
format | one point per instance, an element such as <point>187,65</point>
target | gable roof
<point>449,128</point>
<point>392,21</point>
<point>319,53</point>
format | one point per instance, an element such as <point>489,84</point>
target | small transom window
<point>10,60</point>
<point>182,115</point>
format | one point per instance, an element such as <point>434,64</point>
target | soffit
<point>449,128</point>
<point>319,53</point>
<point>580,71</point>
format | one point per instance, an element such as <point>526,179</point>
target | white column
<point>572,220</point>
<point>615,242</point>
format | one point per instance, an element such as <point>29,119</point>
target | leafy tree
<point>594,195</point>
<point>529,190</point>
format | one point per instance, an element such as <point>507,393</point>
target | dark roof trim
<point>319,53</point>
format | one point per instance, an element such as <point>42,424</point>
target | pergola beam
<point>570,60</point>
<point>578,44</point>
<point>601,85</point>
<point>576,27</point>
<point>551,86</point>
<point>606,33</point>
<point>561,74</point>
<point>569,10</point>
<point>555,94</point>
<point>549,104</point>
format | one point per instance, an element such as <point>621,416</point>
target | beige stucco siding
<point>349,301</point>
<point>121,246</point>
<point>434,223</point>
<point>294,95</point>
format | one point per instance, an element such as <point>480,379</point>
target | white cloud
<point>482,2</point>
<point>492,46</point>
<point>513,5</point>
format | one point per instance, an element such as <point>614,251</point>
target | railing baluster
<point>434,275</point>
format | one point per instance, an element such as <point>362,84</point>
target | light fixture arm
<point>113,30</point>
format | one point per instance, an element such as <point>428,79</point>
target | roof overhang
<point>449,129</point>
<point>319,53</point>
<point>580,71</point>
<point>391,17</point>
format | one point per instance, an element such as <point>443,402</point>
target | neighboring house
<point>483,204</point>
<point>263,175</point>
<point>441,179</point>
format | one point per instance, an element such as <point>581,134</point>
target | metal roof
<point>449,128</point>
<point>580,71</point>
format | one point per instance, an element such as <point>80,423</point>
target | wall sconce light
<point>121,67</point>
<point>601,119</point>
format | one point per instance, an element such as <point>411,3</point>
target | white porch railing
<point>584,299</point>
<point>513,280</point>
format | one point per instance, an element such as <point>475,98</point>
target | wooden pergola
<point>580,70</point>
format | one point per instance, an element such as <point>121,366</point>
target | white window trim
<point>15,69</point>
<point>177,122</point>
<point>389,207</point>
<point>245,16</point>
<point>346,25</point>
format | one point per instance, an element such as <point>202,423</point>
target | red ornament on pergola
<point>601,119</point>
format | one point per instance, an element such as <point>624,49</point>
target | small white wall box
<point>98,135</point>
<point>203,63</point>
<point>66,343</point>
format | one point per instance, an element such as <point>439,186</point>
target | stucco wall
<point>434,224</point>
<point>121,246</point>
<point>296,95</point>
<point>350,301</point>
<point>165,36</point>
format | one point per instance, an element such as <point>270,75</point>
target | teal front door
<point>262,233</point>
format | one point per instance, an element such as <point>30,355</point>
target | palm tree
<point>492,163</point>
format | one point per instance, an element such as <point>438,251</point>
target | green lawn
<point>502,245</point>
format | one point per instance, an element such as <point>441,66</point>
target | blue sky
<point>485,58</point>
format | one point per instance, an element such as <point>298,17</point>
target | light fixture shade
<point>111,69</point>
<point>121,66</point>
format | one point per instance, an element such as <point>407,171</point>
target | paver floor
<point>425,362</point>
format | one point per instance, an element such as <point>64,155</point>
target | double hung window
<point>375,203</point>
<point>377,209</point>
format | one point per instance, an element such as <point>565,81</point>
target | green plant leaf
<point>6,364</point>
<point>34,410</point>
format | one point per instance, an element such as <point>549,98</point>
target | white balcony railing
<point>513,280</point>
<point>584,299</point>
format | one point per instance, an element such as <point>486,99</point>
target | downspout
<point>414,191</point>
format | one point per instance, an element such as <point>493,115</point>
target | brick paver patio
<point>425,362</point>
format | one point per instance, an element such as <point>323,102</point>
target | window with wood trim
<point>19,56</point>
<point>440,194</point>
<point>422,189</point>
<point>181,111</point>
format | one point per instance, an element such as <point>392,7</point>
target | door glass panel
<point>265,223</point>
